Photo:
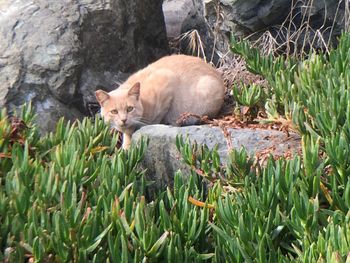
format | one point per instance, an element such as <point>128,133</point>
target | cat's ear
<point>101,96</point>
<point>135,90</point>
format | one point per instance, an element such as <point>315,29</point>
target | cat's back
<point>183,68</point>
<point>184,65</point>
<point>177,84</point>
<point>195,86</point>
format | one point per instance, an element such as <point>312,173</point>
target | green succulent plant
<point>74,196</point>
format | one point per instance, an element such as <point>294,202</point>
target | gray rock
<point>245,17</point>
<point>54,53</point>
<point>183,16</point>
<point>175,12</point>
<point>162,158</point>
<point>248,16</point>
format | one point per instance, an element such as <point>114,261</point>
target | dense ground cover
<point>73,196</point>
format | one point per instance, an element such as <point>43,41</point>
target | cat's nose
<point>123,121</point>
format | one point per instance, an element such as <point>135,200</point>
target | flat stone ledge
<point>162,158</point>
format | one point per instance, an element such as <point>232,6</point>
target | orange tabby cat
<point>161,92</point>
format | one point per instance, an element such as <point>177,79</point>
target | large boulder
<point>320,20</point>
<point>247,16</point>
<point>162,158</point>
<point>182,17</point>
<point>310,23</point>
<point>176,12</point>
<point>55,53</point>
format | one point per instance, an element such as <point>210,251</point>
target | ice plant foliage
<point>73,196</point>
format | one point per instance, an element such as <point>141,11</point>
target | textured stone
<point>162,158</point>
<point>245,17</point>
<point>175,12</point>
<point>183,16</point>
<point>54,53</point>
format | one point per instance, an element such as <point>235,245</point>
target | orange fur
<point>161,92</point>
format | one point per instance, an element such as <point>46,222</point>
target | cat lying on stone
<point>161,93</point>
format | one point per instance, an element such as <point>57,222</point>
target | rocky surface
<point>216,20</point>
<point>162,158</point>
<point>175,13</point>
<point>246,17</point>
<point>184,16</point>
<point>55,53</point>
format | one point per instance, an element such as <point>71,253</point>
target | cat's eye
<point>129,109</point>
<point>114,111</point>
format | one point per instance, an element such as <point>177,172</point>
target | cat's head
<point>121,107</point>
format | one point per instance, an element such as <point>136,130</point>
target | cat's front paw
<point>126,141</point>
<point>126,146</point>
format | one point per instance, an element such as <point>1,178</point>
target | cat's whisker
<point>140,122</point>
<point>144,122</point>
<point>142,119</point>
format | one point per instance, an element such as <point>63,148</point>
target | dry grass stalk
<point>295,40</point>
<point>195,43</point>
<point>347,16</point>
